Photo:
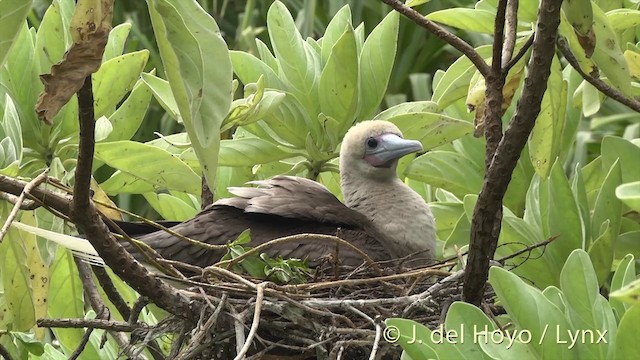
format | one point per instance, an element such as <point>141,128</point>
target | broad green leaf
<point>408,107</point>
<point>454,83</point>
<point>117,38</point>
<point>265,55</point>
<point>170,207</point>
<point>12,16</point>
<point>249,151</point>
<point>607,54</point>
<point>11,128</point>
<point>448,170</point>
<point>127,118</point>
<point>602,252</point>
<point>338,89</point>
<point>289,122</point>
<point>197,65</point>
<point>149,164</point>
<point>629,293</point>
<point>626,345</point>
<point>446,215</point>
<point>376,62</point>
<point>295,58</point>
<point>115,79</point>
<point>125,183</point>
<point>561,215</point>
<point>468,321</point>
<point>162,92</point>
<point>607,206</point>
<point>530,310</point>
<point>66,301</point>
<point>231,176</point>
<point>53,38</point>
<point>580,194</point>
<point>546,136</point>
<point>466,19</point>
<point>249,68</point>
<point>623,276</point>
<point>413,337</point>
<point>615,148</point>
<point>586,308</point>
<point>432,129</point>
<point>630,195</point>
<point>15,277</point>
<point>335,29</point>
<point>622,19</point>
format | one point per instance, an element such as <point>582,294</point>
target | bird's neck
<point>395,209</point>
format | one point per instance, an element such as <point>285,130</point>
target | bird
<point>381,215</point>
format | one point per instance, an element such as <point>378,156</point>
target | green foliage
<point>572,321</point>
<point>262,266</point>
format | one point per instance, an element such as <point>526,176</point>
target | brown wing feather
<point>283,206</point>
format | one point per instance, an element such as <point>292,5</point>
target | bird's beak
<point>390,148</point>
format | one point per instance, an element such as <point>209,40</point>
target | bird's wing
<point>293,197</point>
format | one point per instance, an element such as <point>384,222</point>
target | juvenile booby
<point>383,216</point>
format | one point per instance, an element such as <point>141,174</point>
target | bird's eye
<point>372,143</point>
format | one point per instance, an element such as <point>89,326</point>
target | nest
<point>338,315</point>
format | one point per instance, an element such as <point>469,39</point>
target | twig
<point>16,207</point>
<point>523,50</point>
<point>597,83</point>
<point>443,34</point>
<point>27,204</point>
<point>93,323</point>
<point>528,249</point>
<point>256,320</point>
<point>238,320</point>
<point>511,31</point>
<point>83,342</point>
<point>376,340</point>
<point>110,290</point>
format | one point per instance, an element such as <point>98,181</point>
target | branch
<point>442,33</point>
<point>487,217</point>
<point>87,219</point>
<point>511,30</point>
<point>597,83</point>
<point>92,323</point>
<point>14,212</point>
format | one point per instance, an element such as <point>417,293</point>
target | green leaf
<point>621,19</point>
<point>249,68</point>
<point>630,195</point>
<point>335,30</point>
<point>467,320</point>
<point>170,207</point>
<point>607,206</point>
<point>602,252</point>
<point>466,19</point>
<point>408,107</point>
<point>432,129</point>
<point>162,92</point>
<point>615,148</point>
<point>148,164</point>
<point>66,301</point>
<point>197,65</point>
<point>413,337</point>
<point>127,118</point>
<point>624,275</point>
<point>376,62</point>
<point>546,136</point>
<point>454,83</point>
<point>15,277</point>
<point>338,89</point>
<point>530,310</point>
<point>249,151</point>
<point>585,307</point>
<point>12,16</point>
<point>626,345</point>
<point>115,79</point>
<point>629,293</point>
<point>53,38</point>
<point>296,59</point>
<point>448,170</point>
<point>11,128</point>
<point>117,38</point>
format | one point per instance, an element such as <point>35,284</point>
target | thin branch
<point>511,30</point>
<point>26,204</point>
<point>599,84</point>
<point>442,33</point>
<point>255,322</point>
<point>92,323</point>
<point>14,212</point>
<point>523,50</point>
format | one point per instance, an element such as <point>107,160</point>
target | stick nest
<point>337,315</point>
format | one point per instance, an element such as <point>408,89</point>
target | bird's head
<point>372,149</point>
